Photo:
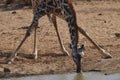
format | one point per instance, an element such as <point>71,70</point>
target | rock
<point>2,70</point>
<point>117,35</point>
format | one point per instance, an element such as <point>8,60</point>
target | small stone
<point>117,35</point>
<point>2,69</point>
<point>100,14</point>
<point>14,12</point>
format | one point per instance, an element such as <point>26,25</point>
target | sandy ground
<point>100,19</point>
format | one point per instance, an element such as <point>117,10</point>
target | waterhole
<point>71,76</point>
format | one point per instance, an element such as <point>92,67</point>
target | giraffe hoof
<point>32,56</point>
<point>5,62</point>
<point>66,54</point>
<point>108,56</point>
<point>8,62</point>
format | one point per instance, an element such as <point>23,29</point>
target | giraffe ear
<point>69,45</point>
<point>82,46</point>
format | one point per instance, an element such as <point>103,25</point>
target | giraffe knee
<point>28,33</point>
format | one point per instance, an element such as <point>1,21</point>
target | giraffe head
<point>79,49</point>
<point>77,57</point>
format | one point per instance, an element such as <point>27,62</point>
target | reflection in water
<point>71,76</point>
<point>78,76</point>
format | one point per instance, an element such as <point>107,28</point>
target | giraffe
<point>65,10</point>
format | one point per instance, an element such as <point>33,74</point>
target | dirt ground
<point>100,19</point>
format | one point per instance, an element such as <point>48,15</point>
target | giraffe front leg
<point>34,53</point>
<point>53,20</point>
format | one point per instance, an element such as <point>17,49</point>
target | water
<point>71,76</point>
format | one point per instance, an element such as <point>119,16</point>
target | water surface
<point>71,76</point>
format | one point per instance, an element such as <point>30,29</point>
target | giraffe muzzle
<point>77,60</point>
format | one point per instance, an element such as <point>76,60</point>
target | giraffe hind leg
<point>11,58</point>
<point>32,26</point>
<point>102,51</point>
<point>13,55</point>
